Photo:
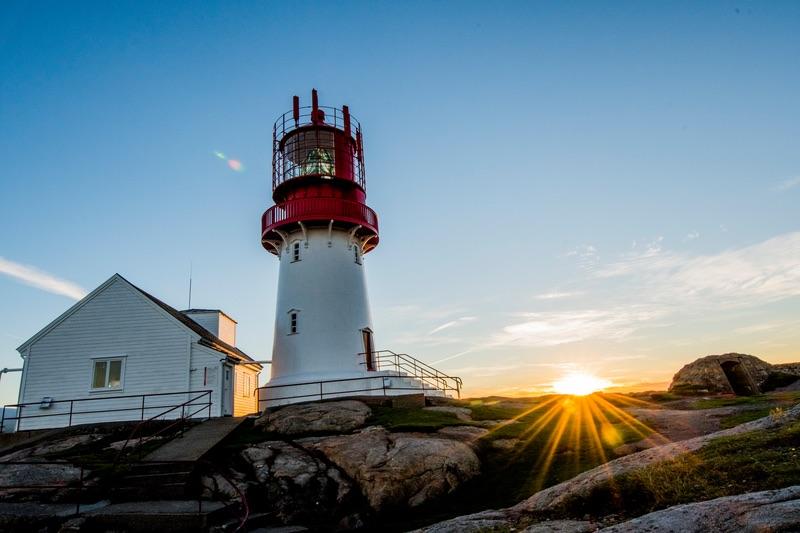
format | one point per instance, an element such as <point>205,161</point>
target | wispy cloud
<point>552,329</point>
<point>693,235</point>
<point>558,295</point>
<point>785,185</point>
<point>452,323</point>
<point>752,275</point>
<point>41,280</point>
<point>586,255</point>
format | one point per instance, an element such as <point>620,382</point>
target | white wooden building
<point>122,354</point>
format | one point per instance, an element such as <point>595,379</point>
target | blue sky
<point>561,186</point>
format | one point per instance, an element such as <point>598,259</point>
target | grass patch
<point>743,416</point>
<point>759,460</point>
<point>761,400</point>
<point>558,438</point>
<point>412,419</point>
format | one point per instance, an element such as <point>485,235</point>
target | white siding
<point>206,374</point>
<point>117,321</point>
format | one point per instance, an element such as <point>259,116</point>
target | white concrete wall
<point>116,322</point>
<point>328,289</point>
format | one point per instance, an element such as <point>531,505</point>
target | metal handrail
<point>180,420</point>
<point>419,369</point>
<point>72,413</point>
<point>322,208</point>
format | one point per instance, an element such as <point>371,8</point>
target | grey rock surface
<point>767,511</point>
<point>396,470</point>
<point>295,483</point>
<point>328,417</point>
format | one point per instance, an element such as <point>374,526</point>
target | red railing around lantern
<point>319,209</point>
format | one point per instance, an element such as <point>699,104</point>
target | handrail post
<point>208,393</point>
<point>143,397</point>
<point>69,424</point>
<point>80,492</point>
<point>320,390</point>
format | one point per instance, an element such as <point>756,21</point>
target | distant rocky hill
<point>736,373</point>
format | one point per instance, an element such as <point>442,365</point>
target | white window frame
<point>295,251</point>
<point>107,360</point>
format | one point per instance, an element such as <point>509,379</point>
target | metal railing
<point>82,484</point>
<point>391,365</point>
<point>321,208</point>
<point>407,366</point>
<point>138,404</point>
<point>283,167</point>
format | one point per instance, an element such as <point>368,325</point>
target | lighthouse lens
<point>309,153</point>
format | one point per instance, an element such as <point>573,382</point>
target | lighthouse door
<point>366,333</point>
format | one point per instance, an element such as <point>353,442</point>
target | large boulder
<point>397,470</point>
<point>322,417</point>
<point>771,510</point>
<point>727,373</point>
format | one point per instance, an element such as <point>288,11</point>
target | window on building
<point>107,373</point>
<point>248,386</point>
<point>293,322</point>
<point>357,252</point>
<point>296,252</point>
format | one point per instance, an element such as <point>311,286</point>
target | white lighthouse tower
<point>320,228</point>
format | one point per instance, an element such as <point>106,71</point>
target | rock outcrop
<point>728,373</point>
<point>553,499</point>
<point>322,417</point>
<point>397,470</point>
<point>298,485</point>
<point>771,510</point>
<point>327,463</point>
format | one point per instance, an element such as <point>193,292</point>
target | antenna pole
<point>190,286</point>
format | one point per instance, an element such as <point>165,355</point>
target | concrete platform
<point>196,442</point>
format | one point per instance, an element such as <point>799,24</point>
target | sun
<point>580,384</point>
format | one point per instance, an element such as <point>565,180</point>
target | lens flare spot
<point>219,155</point>
<point>610,435</point>
<point>580,384</point>
<point>235,164</point>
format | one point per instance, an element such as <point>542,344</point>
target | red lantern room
<point>318,175</point>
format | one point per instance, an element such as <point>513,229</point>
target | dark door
<point>366,333</point>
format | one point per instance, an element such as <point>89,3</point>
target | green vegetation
<point>743,416</point>
<point>553,440</point>
<point>761,400</point>
<point>412,419</point>
<point>759,460</point>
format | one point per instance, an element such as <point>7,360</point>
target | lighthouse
<point>321,230</point>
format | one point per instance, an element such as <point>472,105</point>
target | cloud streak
<point>41,280</point>
<point>787,184</point>
<point>555,328</point>
<point>457,322</point>
<point>753,275</point>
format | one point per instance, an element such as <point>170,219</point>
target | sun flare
<point>580,384</point>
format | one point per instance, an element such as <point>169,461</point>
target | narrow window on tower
<point>296,252</point>
<point>292,322</point>
<point>357,252</point>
